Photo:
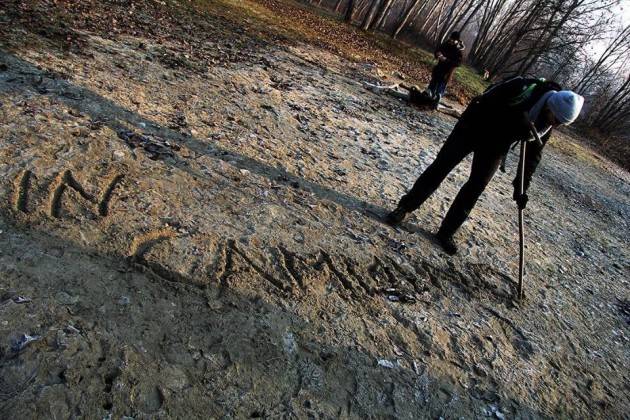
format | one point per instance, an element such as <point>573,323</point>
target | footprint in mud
<point>147,398</point>
<point>109,382</point>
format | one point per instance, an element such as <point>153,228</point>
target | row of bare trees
<point>603,78</point>
<point>506,36</point>
<point>578,43</point>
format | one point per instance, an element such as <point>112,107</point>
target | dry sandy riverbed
<point>194,242</point>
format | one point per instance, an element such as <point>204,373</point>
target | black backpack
<point>517,92</point>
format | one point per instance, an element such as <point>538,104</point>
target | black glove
<point>521,199</point>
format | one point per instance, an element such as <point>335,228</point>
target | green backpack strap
<point>526,93</point>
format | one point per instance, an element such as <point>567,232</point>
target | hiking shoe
<point>447,243</point>
<point>396,217</point>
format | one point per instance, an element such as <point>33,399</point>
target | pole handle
<point>533,130</point>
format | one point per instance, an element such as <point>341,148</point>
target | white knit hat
<point>565,105</point>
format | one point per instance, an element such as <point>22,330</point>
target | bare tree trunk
<point>434,37</point>
<point>406,18</point>
<point>472,15</point>
<point>454,15</point>
<point>500,54</point>
<point>362,8</point>
<point>489,34</point>
<point>545,34</point>
<point>383,12</point>
<point>349,11</point>
<point>428,21</point>
<point>459,16</point>
<point>500,34</point>
<point>488,17</point>
<point>369,17</point>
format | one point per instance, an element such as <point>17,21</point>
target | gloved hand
<point>521,199</point>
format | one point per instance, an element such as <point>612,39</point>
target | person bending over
<point>487,128</point>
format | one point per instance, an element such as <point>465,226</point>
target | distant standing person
<point>450,56</point>
<point>487,128</point>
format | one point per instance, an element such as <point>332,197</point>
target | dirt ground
<point>196,234</point>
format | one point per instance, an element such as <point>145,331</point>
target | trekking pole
<point>521,230</point>
<point>521,190</point>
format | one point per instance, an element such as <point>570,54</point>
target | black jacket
<point>498,116</point>
<point>453,51</point>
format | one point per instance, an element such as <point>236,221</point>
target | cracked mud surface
<point>181,239</point>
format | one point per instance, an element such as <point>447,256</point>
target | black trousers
<point>487,155</point>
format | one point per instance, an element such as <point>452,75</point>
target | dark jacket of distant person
<point>450,56</point>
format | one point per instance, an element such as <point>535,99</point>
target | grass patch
<point>566,143</point>
<point>468,78</point>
